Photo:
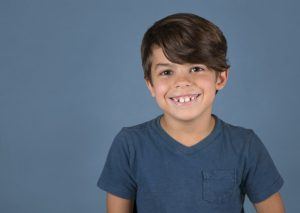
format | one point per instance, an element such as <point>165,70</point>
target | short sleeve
<point>262,178</point>
<point>116,176</point>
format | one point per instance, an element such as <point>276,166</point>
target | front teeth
<point>181,100</point>
<point>187,99</point>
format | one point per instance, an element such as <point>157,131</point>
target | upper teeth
<point>184,99</point>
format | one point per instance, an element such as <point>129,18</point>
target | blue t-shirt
<point>162,175</point>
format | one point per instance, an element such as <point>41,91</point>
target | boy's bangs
<point>183,46</point>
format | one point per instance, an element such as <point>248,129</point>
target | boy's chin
<point>183,116</point>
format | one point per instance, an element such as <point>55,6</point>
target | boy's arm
<point>116,204</point>
<point>273,204</point>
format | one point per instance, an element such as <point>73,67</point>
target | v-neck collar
<point>176,146</point>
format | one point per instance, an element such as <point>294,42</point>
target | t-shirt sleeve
<point>262,178</point>
<point>116,176</point>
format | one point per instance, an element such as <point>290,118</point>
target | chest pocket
<point>218,185</point>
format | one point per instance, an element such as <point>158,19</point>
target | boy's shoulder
<point>138,127</point>
<point>241,138</point>
<point>139,130</point>
<point>236,129</point>
<point>237,132</point>
<point>142,126</point>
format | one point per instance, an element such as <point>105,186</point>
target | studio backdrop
<point>71,78</point>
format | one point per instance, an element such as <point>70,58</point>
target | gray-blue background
<point>71,77</point>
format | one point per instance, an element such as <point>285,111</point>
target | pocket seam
<point>211,180</point>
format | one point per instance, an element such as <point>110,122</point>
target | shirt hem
<point>117,192</point>
<point>275,187</point>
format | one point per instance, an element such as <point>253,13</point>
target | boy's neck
<point>190,132</point>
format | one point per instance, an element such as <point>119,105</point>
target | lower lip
<point>185,103</point>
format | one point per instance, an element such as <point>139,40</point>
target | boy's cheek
<point>161,90</point>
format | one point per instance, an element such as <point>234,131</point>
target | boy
<point>188,160</point>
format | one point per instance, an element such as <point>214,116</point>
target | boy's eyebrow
<point>163,65</point>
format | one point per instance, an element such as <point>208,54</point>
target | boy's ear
<point>150,88</point>
<point>222,78</point>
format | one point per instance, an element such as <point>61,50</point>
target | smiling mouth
<point>185,100</point>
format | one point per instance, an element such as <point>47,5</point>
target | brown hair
<point>185,38</point>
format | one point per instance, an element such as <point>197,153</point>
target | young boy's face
<point>183,81</point>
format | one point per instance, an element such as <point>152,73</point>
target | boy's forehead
<point>158,54</point>
<point>159,58</point>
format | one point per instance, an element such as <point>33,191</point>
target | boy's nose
<point>182,81</point>
<point>182,84</point>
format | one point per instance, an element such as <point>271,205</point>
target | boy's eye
<point>166,72</point>
<point>193,69</point>
<point>197,69</point>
